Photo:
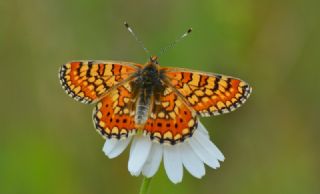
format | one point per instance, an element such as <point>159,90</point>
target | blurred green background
<point>48,143</point>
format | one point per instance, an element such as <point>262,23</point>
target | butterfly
<point>160,102</point>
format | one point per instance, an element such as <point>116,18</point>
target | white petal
<point>109,145</point>
<point>203,153</point>
<point>202,129</point>
<point>139,153</point>
<point>153,162</point>
<point>191,161</point>
<point>119,147</point>
<point>172,163</point>
<point>208,145</point>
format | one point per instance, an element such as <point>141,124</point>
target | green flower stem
<point>145,185</point>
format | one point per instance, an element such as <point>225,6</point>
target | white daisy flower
<point>145,155</point>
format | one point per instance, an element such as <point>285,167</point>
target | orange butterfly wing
<point>170,120</point>
<point>87,81</point>
<point>173,115</point>
<point>208,94</point>
<point>113,115</point>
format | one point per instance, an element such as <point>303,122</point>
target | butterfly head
<point>153,63</point>
<point>154,59</point>
<point>152,66</point>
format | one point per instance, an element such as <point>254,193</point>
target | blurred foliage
<point>48,143</point>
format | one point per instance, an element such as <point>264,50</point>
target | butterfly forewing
<point>87,81</point>
<point>208,94</point>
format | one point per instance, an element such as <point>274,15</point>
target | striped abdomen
<point>143,105</point>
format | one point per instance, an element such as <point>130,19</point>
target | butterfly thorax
<point>148,87</point>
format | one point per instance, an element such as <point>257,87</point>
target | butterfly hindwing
<point>113,115</point>
<point>87,81</point>
<point>171,120</point>
<point>208,94</point>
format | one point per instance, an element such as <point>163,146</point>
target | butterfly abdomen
<point>142,114</point>
<point>143,105</point>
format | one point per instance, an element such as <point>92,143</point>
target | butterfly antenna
<point>163,50</point>
<point>136,37</point>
